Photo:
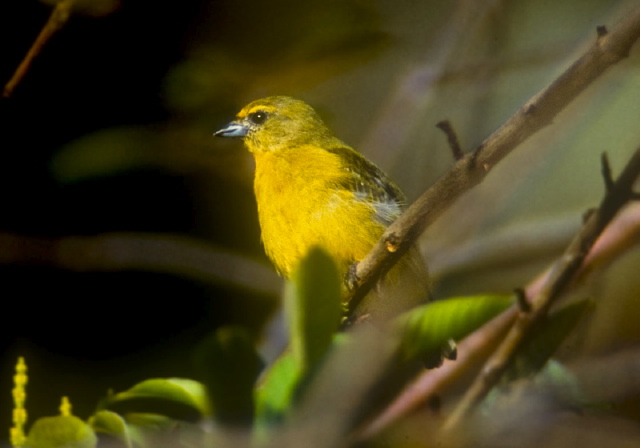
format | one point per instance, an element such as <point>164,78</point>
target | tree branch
<point>58,18</point>
<point>561,275</point>
<point>619,236</point>
<point>537,113</point>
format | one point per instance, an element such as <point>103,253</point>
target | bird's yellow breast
<point>301,204</point>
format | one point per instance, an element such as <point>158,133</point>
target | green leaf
<point>313,307</point>
<point>145,428</point>
<point>108,422</point>
<point>545,341</point>
<point>106,153</point>
<point>424,331</point>
<point>177,398</point>
<point>65,431</point>
<point>279,389</point>
<point>276,393</point>
<point>230,365</point>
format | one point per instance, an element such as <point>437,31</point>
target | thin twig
<point>560,277</point>
<point>58,18</point>
<point>606,171</point>
<point>452,138</point>
<point>619,236</point>
<point>537,113</point>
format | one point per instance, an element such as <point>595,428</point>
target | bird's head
<point>277,123</point>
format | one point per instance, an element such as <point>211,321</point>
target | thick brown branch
<point>559,278</point>
<point>537,113</point>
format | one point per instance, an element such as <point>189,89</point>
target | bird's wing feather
<point>370,184</point>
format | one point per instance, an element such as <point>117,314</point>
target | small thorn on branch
<point>446,127</point>
<point>521,299</point>
<point>602,31</point>
<point>587,214</point>
<point>606,172</point>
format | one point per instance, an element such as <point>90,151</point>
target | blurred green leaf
<point>148,422</point>
<point>427,329</point>
<point>65,431</point>
<point>177,398</point>
<point>275,394</point>
<point>313,307</point>
<point>144,428</point>
<point>106,153</point>
<point>278,387</point>
<point>564,382</point>
<point>108,422</point>
<point>230,365</point>
<point>536,352</point>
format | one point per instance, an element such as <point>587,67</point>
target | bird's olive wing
<point>370,184</point>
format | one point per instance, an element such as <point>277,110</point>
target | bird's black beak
<point>233,129</point>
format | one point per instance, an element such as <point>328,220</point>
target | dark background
<point>83,333</point>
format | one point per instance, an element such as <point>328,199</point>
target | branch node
<point>392,242</point>
<point>446,127</point>
<point>530,109</point>
<point>606,172</point>
<point>602,31</point>
<point>521,300</point>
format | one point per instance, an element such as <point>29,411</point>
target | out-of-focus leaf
<point>428,328</point>
<point>313,307</point>
<point>544,343</point>
<point>108,422</point>
<point>276,392</point>
<point>150,422</point>
<point>66,431</point>
<point>230,365</point>
<point>93,8</point>
<point>106,153</point>
<point>176,398</point>
<point>278,387</point>
<point>144,429</point>
<point>564,382</point>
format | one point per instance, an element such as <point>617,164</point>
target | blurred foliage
<point>159,406</point>
<point>426,329</point>
<point>61,431</point>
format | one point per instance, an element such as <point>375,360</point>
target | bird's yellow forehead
<point>254,108</point>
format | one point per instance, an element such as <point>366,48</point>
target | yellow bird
<point>313,189</point>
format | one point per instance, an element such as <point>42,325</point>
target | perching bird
<point>313,189</point>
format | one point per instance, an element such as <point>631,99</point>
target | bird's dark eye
<point>258,117</point>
